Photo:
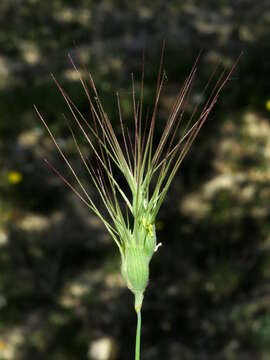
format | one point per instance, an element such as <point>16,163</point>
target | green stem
<point>138,335</point>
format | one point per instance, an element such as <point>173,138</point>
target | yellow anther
<point>147,226</point>
<point>150,229</point>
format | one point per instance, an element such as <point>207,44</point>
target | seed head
<point>148,169</point>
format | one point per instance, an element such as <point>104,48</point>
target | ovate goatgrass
<point>148,169</point>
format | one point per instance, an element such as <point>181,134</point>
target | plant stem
<point>138,335</point>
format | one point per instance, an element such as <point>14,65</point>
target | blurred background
<point>61,294</point>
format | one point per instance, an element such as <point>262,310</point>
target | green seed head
<point>135,269</point>
<point>136,259</point>
<point>147,164</point>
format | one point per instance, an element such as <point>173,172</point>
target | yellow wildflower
<point>3,345</point>
<point>14,177</point>
<point>267,105</point>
